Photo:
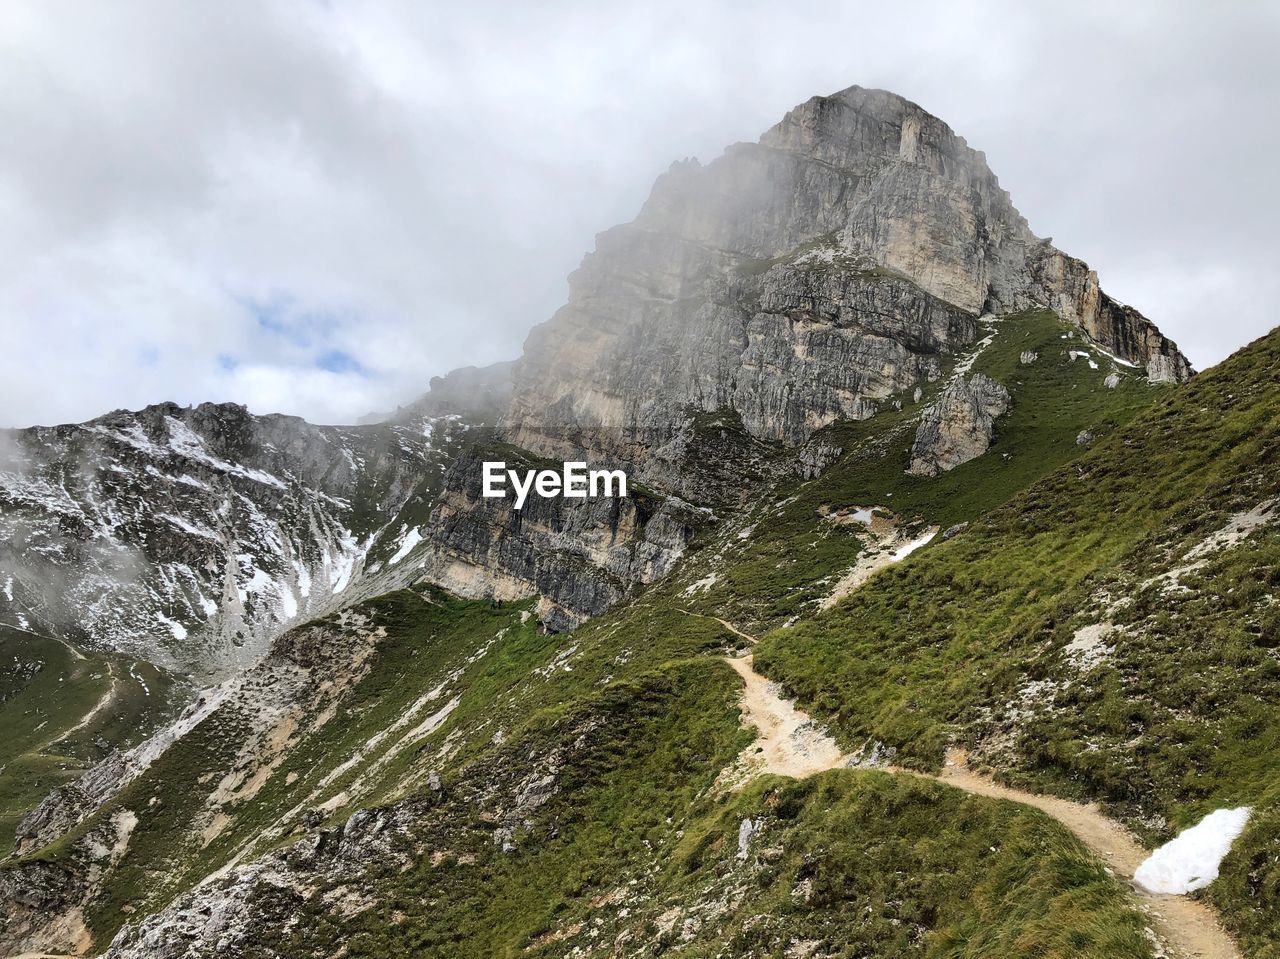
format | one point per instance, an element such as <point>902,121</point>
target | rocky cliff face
<point>190,536</point>
<point>292,692</point>
<point>819,275</point>
<point>579,560</point>
<point>805,278</point>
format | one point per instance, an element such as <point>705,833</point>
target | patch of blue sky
<point>339,361</point>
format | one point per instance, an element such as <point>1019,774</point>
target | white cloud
<point>424,176</point>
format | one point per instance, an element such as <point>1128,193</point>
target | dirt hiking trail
<point>789,743</point>
<point>107,698</point>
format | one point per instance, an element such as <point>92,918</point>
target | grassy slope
<point>1183,717</point>
<point>46,690</point>
<point>643,721</point>
<point>864,863</point>
<point>788,561</point>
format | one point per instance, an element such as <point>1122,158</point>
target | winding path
<point>789,743</point>
<point>108,697</point>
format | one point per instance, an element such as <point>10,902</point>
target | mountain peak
<point>696,302</point>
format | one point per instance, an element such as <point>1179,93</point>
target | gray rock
<point>1165,368</point>
<point>803,278</point>
<point>579,556</point>
<point>746,831</point>
<point>1027,357</point>
<point>189,536</point>
<point>959,426</point>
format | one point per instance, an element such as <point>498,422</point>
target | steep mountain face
<point>821,275</point>
<point>190,537</point>
<point>579,561</point>
<point>806,278</point>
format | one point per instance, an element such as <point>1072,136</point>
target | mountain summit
<point>807,278</point>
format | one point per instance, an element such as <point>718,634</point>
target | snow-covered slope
<point>190,536</point>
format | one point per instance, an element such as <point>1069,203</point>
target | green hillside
<point>62,709</point>
<point>1182,714</point>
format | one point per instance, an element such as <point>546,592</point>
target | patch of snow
<point>258,583</point>
<point>186,443</point>
<point>886,548</point>
<point>304,579</point>
<point>1115,359</point>
<point>137,677</point>
<point>288,602</point>
<point>179,631</point>
<point>188,527</point>
<point>906,549</point>
<point>966,363</point>
<point>184,479</point>
<point>1191,860</point>
<point>340,567</point>
<point>410,539</point>
<point>8,588</point>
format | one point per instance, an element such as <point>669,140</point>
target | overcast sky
<point>313,207</point>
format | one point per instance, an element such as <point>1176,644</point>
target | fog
<point>313,208</point>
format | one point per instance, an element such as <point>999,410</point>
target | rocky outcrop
<point>959,426</point>
<point>579,558</point>
<point>330,870</point>
<point>293,690</point>
<point>1069,288</point>
<point>41,902</point>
